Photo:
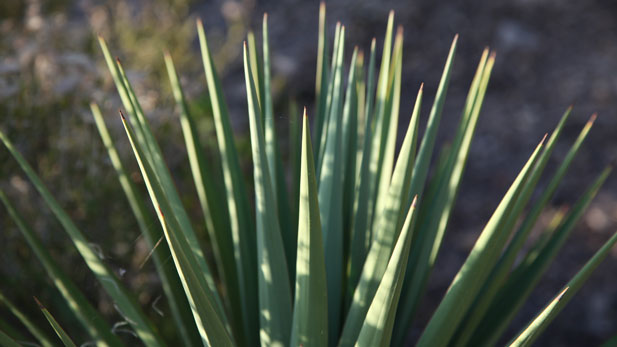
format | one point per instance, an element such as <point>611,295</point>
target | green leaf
<point>277,175</point>
<point>386,235</point>
<point>525,277</point>
<point>7,341</point>
<point>321,79</point>
<point>66,340</point>
<point>388,134</point>
<point>440,197</point>
<point>206,311</point>
<point>421,166</point>
<point>377,328</point>
<point>361,232</point>
<point>216,215</point>
<point>240,217</point>
<point>88,316</point>
<point>172,286</point>
<point>381,127</point>
<point>310,316</point>
<point>502,269</point>
<point>274,291</point>
<point>331,195</point>
<point>125,302</point>
<point>529,334</point>
<point>25,320</point>
<point>476,268</point>
<point>153,155</point>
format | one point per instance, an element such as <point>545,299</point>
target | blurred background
<point>549,55</point>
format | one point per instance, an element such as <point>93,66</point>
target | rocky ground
<point>549,55</point>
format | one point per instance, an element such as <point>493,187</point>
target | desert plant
<point>342,255</point>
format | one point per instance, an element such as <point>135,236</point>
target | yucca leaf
<point>477,266</point>
<point>310,315</point>
<point>7,341</point>
<point>377,328</point>
<point>531,218</point>
<point>321,142</point>
<point>361,233</point>
<point>66,340</point>
<point>125,303</point>
<point>91,320</point>
<point>295,156</point>
<point>321,79</point>
<point>386,235</point>
<point>215,214</point>
<point>421,166</point>
<point>274,291</point>
<point>152,153</point>
<point>504,265</point>
<point>441,196</point>
<point>526,276</point>
<point>240,217</point>
<point>381,123</point>
<point>258,72</point>
<point>388,134</point>
<point>206,312</point>
<point>542,320</point>
<point>169,278</point>
<point>331,195</point>
<point>349,138</point>
<point>279,184</point>
<point>370,82</point>
<point>24,319</point>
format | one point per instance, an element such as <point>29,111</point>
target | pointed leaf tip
<point>122,115</point>
<point>562,293</point>
<point>592,118</point>
<point>543,139</point>
<point>38,303</point>
<point>421,87</point>
<point>415,201</point>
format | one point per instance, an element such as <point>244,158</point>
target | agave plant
<point>342,253</point>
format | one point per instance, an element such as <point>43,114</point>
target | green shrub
<point>342,254</point>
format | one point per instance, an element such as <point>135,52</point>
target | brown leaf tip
<point>421,87</point>
<point>592,118</point>
<point>304,114</point>
<point>122,115</point>
<point>544,139</point>
<point>415,201</point>
<point>38,303</point>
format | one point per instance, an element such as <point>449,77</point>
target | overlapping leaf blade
<point>476,268</point>
<point>90,318</point>
<point>125,302</point>
<point>241,219</point>
<point>206,311</point>
<point>160,250</point>
<point>273,277</point>
<point>310,316</point>
<point>379,322</point>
